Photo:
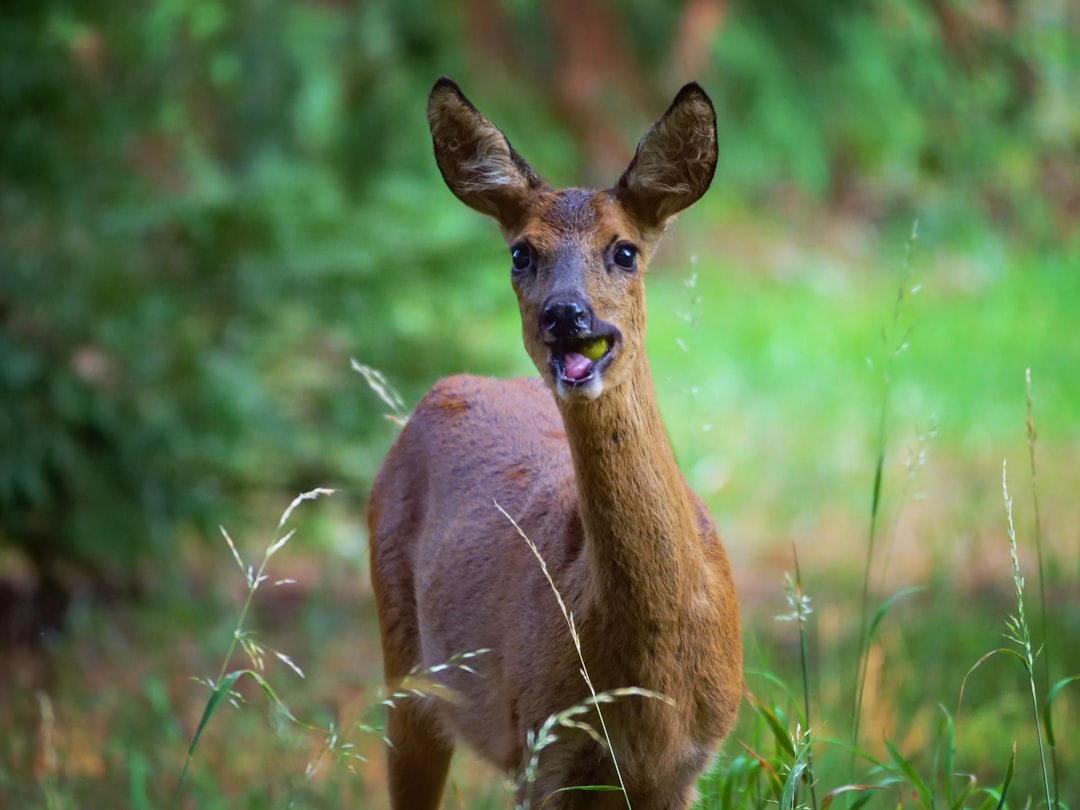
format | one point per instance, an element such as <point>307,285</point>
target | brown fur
<point>591,479</point>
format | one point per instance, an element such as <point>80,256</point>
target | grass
<point>774,415</point>
<point>224,686</point>
<point>568,718</point>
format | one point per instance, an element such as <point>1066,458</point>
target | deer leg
<point>418,757</point>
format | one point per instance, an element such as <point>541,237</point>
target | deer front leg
<point>418,757</point>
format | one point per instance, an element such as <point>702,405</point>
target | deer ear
<point>674,162</point>
<point>475,158</point>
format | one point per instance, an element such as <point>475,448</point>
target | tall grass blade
<point>765,768</point>
<point>310,495</point>
<point>222,686</point>
<point>1021,635</point>
<point>982,660</point>
<point>790,791</point>
<point>828,798</point>
<point>862,801</point>
<point>801,610</point>
<point>569,617</point>
<point>894,346</point>
<point>864,642</point>
<point>779,731</point>
<point>1047,714</point>
<point>1044,670</point>
<point>948,752</point>
<point>383,389</point>
<point>881,612</point>
<point>584,789</point>
<point>926,794</point>
<point>740,772</point>
<point>221,690</point>
<point>1010,771</point>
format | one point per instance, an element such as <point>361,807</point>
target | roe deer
<point>582,463</point>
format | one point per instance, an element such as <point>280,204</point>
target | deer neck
<point>640,523</point>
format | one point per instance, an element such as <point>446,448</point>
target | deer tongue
<point>576,366</point>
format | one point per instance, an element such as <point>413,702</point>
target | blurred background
<point>208,208</point>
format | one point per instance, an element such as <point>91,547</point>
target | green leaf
<point>774,679</point>
<point>948,750</point>
<point>909,772</point>
<point>765,768</point>
<point>827,799</point>
<point>780,733</point>
<point>791,785</point>
<point>1009,771</point>
<point>272,696</point>
<point>221,690</point>
<point>861,802</point>
<point>892,600</point>
<point>743,772</point>
<point>876,499</point>
<point>1048,716</point>
<point>983,660</point>
<point>855,750</point>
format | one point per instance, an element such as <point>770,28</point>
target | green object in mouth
<point>594,348</point>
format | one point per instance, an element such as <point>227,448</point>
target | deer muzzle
<point>581,346</point>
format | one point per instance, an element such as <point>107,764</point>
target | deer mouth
<point>577,361</point>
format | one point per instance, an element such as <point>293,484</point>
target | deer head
<point>578,256</point>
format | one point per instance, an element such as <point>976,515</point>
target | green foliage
<point>206,208</point>
<point>903,105</point>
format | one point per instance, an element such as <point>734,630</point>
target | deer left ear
<point>475,158</point>
<point>675,160</point>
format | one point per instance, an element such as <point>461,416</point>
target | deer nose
<point>567,318</point>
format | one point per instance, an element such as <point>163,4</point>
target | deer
<point>580,460</point>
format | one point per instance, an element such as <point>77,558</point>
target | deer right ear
<point>675,161</point>
<point>475,158</point>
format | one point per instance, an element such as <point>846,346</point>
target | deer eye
<point>521,256</point>
<point>625,257</point>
